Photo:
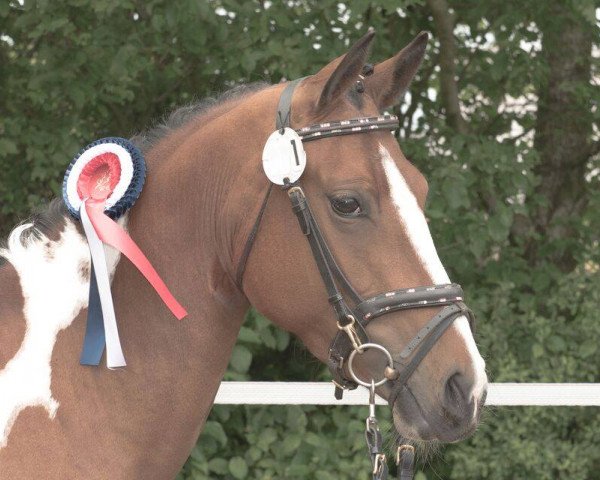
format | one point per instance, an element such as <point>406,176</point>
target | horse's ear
<point>339,75</point>
<point>391,78</point>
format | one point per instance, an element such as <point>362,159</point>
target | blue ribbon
<point>94,341</point>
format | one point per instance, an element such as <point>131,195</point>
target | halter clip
<point>351,332</point>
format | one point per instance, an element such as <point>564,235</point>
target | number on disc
<point>284,156</point>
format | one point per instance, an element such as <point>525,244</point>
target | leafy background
<point>502,119</point>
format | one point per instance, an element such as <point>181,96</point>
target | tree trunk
<point>564,127</point>
<point>443,20</point>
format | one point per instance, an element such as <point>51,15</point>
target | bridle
<point>352,338</point>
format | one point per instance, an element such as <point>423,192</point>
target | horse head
<point>368,202</point>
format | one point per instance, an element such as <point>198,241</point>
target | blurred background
<point>503,119</point>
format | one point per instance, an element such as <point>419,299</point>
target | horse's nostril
<point>458,389</point>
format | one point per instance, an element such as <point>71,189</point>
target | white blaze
<point>414,223</point>
<point>54,293</point>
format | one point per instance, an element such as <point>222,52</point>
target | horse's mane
<point>179,117</point>
<point>49,221</point>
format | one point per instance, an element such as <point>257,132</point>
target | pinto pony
<point>205,184</point>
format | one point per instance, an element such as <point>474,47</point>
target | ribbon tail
<point>94,340</point>
<point>111,233</point>
<point>114,352</point>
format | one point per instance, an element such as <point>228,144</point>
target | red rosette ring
<point>110,170</point>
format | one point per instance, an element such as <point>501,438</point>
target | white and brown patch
<point>54,278</point>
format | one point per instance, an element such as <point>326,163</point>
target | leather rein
<point>352,337</point>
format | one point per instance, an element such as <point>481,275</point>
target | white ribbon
<point>114,352</point>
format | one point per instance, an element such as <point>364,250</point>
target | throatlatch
<point>284,161</point>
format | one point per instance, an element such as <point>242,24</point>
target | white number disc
<point>284,156</point>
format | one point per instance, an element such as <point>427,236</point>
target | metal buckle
<point>403,448</point>
<point>295,189</point>
<point>338,385</point>
<point>378,463</point>
<point>351,332</point>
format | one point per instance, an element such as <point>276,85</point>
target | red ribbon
<point>112,234</point>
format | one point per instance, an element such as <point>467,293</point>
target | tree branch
<point>444,26</point>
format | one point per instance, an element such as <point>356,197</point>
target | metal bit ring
<point>363,348</point>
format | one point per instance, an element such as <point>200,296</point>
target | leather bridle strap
<point>409,298</point>
<point>352,332</point>
<point>284,108</point>
<point>425,341</point>
<point>348,127</point>
<point>282,120</point>
<point>327,256</point>
<point>250,241</point>
<point>405,461</point>
<point>311,230</point>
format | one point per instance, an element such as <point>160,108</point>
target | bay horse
<point>60,420</point>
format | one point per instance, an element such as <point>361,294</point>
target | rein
<point>352,338</point>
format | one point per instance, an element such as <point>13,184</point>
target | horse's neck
<point>174,367</point>
<point>192,221</point>
<point>179,223</point>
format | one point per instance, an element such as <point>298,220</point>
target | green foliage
<point>72,71</point>
<point>281,442</point>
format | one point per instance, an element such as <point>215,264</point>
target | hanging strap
<point>282,120</point>
<point>374,441</point>
<point>239,276</point>
<point>309,228</point>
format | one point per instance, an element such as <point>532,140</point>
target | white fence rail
<point>321,393</point>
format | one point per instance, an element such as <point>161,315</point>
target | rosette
<point>102,182</point>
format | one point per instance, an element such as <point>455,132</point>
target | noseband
<point>352,337</point>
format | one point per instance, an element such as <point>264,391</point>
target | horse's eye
<point>346,206</point>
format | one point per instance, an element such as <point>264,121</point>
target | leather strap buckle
<point>400,451</point>
<point>378,465</point>
<point>405,462</point>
